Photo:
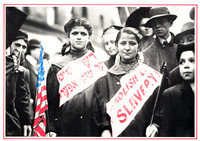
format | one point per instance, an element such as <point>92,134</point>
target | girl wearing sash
<point>128,43</point>
<point>74,117</point>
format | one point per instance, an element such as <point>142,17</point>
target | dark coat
<point>74,117</point>
<point>16,94</point>
<point>33,79</point>
<point>105,88</point>
<point>110,62</point>
<point>178,113</point>
<point>156,54</point>
<point>175,77</point>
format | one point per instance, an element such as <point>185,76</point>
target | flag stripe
<point>40,131</point>
<point>39,125</point>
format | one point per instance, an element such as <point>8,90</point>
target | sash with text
<point>79,74</point>
<point>132,95</point>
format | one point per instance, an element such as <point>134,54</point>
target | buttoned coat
<point>74,118</point>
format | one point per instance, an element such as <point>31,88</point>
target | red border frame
<point>93,138</point>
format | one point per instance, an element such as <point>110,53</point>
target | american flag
<point>39,126</point>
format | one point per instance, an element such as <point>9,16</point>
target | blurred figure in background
<point>17,94</point>
<point>163,48</point>
<point>138,19</point>
<point>108,39</point>
<point>31,63</point>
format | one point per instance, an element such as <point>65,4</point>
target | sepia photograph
<point>100,71</point>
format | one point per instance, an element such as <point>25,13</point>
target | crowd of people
<point>145,39</point>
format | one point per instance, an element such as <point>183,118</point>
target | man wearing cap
<point>31,63</point>
<point>17,96</point>
<point>163,49</point>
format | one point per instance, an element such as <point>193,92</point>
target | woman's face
<point>187,65</point>
<point>127,46</point>
<point>79,38</point>
<point>145,31</point>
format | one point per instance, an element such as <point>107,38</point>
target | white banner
<point>134,92</point>
<point>79,74</point>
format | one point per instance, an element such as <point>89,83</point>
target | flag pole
<point>160,89</point>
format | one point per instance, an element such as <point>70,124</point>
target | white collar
<point>163,40</point>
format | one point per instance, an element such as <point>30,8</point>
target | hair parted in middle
<point>78,22</point>
<point>129,30</point>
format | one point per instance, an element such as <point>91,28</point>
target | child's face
<point>187,65</point>
<point>127,46</point>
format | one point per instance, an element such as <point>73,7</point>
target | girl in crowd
<point>127,41</point>
<point>74,117</point>
<point>108,39</point>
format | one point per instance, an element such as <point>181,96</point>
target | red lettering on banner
<point>142,72</point>
<point>120,95</point>
<point>87,74</point>
<point>122,116</point>
<point>92,54</point>
<point>68,88</point>
<point>151,76</point>
<point>157,73</point>
<point>86,61</point>
<point>133,102</point>
<point>67,70</point>
<point>135,79</point>
<point>127,110</point>
<point>99,65</point>
<point>125,91</point>
<point>142,90</point>
<point>60,76</point>
<point>146,83</point>
<point>116,101</point>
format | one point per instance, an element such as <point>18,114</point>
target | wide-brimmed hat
<point>136,16</point>
<point>187,28</point>
<point>159,12</point>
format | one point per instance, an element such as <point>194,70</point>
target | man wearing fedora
<point>163,49</point>
<point>184,38</point>
<point>17,96</point>
<point>31,63</point>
